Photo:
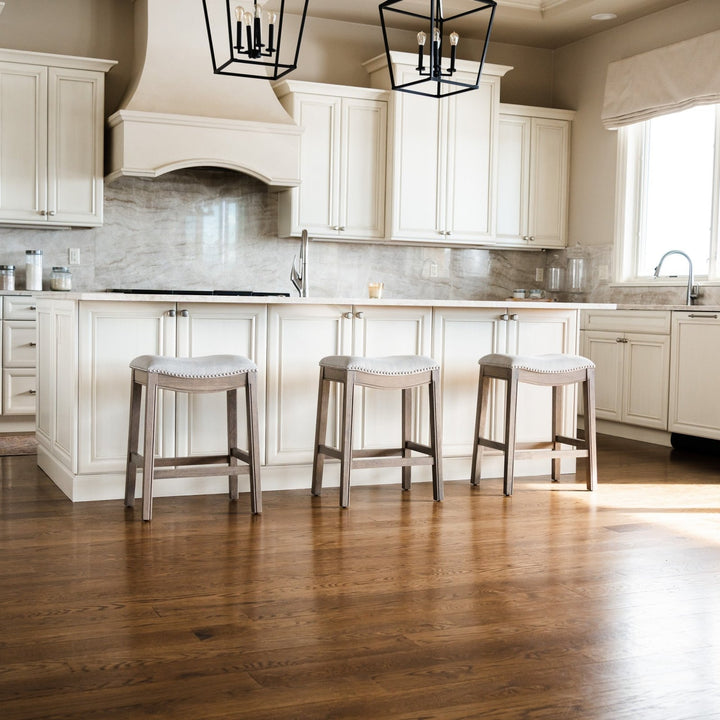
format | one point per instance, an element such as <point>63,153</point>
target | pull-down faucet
<point>692,290</point>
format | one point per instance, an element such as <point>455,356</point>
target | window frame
<point>632,168</point>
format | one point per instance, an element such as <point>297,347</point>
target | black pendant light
<point>255,38</point>
<point>438,38</point>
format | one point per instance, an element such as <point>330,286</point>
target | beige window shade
<point>662,81</point>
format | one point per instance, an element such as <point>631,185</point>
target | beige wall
<point>579,83</point>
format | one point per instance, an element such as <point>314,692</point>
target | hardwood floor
<point>555,603</point>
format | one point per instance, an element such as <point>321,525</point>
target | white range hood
<point>179,114</point>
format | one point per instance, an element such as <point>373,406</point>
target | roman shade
<point>663,81</point>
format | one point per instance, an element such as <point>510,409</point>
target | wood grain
<point>553,603</point>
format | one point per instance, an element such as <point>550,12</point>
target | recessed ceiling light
<point>603,16</point>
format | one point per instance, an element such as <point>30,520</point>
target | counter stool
<point>214,373</point>
<point>402,372</point>
<point>552,370</point>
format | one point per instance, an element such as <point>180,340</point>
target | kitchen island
<point>86,341</point>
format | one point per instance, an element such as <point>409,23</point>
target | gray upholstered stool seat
<point>402,372</point>
<point>213,373</point>
<point>556,371</point>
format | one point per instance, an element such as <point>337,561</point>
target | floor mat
<point>18,444</point>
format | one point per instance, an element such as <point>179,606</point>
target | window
<point>668,194</point>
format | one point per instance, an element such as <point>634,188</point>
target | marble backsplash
<point>208,228</point>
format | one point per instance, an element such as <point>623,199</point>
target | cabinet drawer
<point>19,343</point>
<point>19,391</point>
<point>643,321</point>
<point>19,307</point>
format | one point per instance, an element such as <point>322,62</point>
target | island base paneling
<point>85,347</point>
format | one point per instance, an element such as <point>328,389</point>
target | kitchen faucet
<point>298,277</point>
<point>692,290</point>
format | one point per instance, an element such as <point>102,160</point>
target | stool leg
<point>436,436</point>
<point>480,419</point>
<point>590,428</point>
<point>231,411</point>
<point>133,436</point>
<point>556,420</point>
<point>320,433</point>
<point>253,443</point>
<point>346,439</point>
<point>149,445</point>
<point>510,426</point>
<point>406,425</point>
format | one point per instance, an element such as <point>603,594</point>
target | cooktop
<point>230,293</point>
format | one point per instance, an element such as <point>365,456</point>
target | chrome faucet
<point>692,290</point>
<point>298,277</point>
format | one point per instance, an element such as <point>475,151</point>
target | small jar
<point>7,277</point>
<point>33,269</point>
<point>60,279</point>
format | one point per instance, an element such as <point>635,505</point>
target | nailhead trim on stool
<point>402,372</point>
<point>553,370</point>
<point>212,373</point>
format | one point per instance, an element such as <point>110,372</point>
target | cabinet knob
<point>360,315</point>
<point>514,316</point>
<point>32,344</point>
<point>341,228</point>
<point>33,307</point>
<point>184,313</point>
<point>621,340</point>
<point>42,212</point>
<point>170,313</point>
<point>32,392</point>
<point>505,317</point>
<point>348,315</point>
<point>51,212</point>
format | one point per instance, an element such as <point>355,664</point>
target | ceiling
<point>537,23</point>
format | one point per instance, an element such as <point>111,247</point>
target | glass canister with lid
<point>33,269</point>
<point>7,277</point>
<point>60,278</point>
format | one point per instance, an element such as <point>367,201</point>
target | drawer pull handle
<point>621,340</point>
<point>712,317</point>
<point>33,307</point>
<point>32,392</point>
<point>32,344</point>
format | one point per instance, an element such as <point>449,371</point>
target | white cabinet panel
<point>533,176</point>
<point>694,379</point>
<point>298,338</point>
<point>19,343</point>
<point>342,161</point>
<point>607,353</point>
<point>19,391</point>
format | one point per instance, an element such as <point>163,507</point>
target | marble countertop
<point>274,300</point>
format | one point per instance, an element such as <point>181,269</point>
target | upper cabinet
<point>51,139</point>
<point>532,178</point>
<point>342,161</point>
<point>443,161</point>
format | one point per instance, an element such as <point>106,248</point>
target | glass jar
<point>33,269</point>
<point>7,277</point>
<point>60,278</point>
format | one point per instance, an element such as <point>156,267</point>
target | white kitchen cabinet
<point>462,336</point>
<point>631,351</point>
<point>111,334</point>
<point>342,161</point>
<point>694,380</point>
<point>299,336</point>
<point>18,352</point>
<point>51,139</point>
<point>533,176</point>
<point>443,162</point>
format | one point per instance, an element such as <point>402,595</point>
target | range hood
<point>178,114</point>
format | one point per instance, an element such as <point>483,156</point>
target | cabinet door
<point>646,378</point>
<point>380,331</point>
<point>23,142</point>
<point>416,167</point>
<point>298,337</point>
<point>694,379</point>
<point>536,332</point>
<point>469,180</point>
<point>75,146</point>
<point>209,329</point>
<point>363,168</point>
<point>313,205</point>
<point>460,338</point>
<point>549,182</point>
<point>57,380</point>
<point>607,352</point>
<point>110,336</point>
<point>513,178</point>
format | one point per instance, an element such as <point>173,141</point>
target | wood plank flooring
<point>555,603</point>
